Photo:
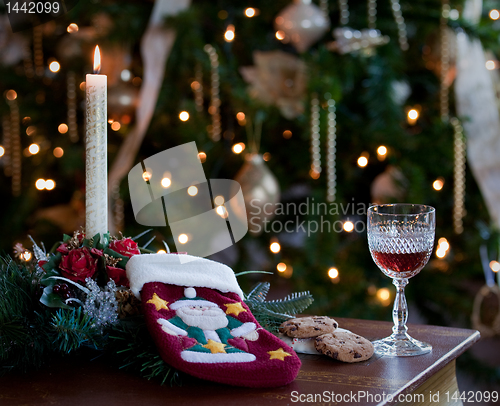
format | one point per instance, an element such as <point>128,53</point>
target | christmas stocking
<point>196,315</point>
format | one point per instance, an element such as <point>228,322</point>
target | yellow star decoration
<point>158,302</point>
<point>279,354</point>
<point>215,347</point>
<point>234,308</point>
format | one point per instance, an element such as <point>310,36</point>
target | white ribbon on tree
<point>156,45</point>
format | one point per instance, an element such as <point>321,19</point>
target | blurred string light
<point>221,211</point>
<point>240,116</point>
<point>251,12</point>
<point>183,238</point>
<point>58,152</point>
<point>202,157</point>
<point>184,116</point>
<point>50,184</point>
<point>147,174</point>
<point>11,95</point>
<point>2,151</point>
<point>219,200</point>
<point>490,65</point>
<point>275,247</point>
<point>115,126</point>
<point>192,190</point>
<point>284,270</point>
<point>454,14</point>
<point>72,28</point>
<point>287,134</point>
<point>412,116</point>
<point>495,266</point>
<point>42,184</point>
<point>62,128</point>
<point>166,181</point>
<point>382,152</point>
<point>333,273</point>
<point>314,174</point>
<point>494,14</point>
<point>161,252</point>
<point>438,184</point>
<point>125,75</point>
<point>229,34</point>
<point>280,35</point>
<point>442,248</point>
<point>54,66</point>
<point>26,255</point>
<point>384,296</point>
<point>362,160</point>
<point>34,149</point>
<point>238,148</point>
<point>348,226</point>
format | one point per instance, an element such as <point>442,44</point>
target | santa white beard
<point>212,318</point>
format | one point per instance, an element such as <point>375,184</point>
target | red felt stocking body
<point>208,333</point>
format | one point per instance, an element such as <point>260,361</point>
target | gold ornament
<point>349,41</point>
<point>301,23</point>
<point>279,79</point>
<point>261,193</point>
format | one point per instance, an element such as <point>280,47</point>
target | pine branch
<point>73,329</point>
<point>292,304</point>
<point>271,314</point>
<point>25,340</point>
<point>134,349</point>
<point>258,293</point>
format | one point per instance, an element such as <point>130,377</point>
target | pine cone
<point>128,304</point>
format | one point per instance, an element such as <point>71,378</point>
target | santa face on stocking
<point>214,333</point>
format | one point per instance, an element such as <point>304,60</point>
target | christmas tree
<point>343,104</point>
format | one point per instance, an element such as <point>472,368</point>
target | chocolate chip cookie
<point>344,346</point>
<point>305,327</point>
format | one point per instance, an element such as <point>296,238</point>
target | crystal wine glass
<point>401,239</point>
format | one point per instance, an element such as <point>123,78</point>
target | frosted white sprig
<point>101,304</point>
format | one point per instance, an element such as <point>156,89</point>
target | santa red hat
<point>188,272</point>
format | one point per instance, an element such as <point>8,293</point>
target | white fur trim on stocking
<point>167,268</point>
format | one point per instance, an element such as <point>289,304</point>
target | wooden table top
<point>75,381</point>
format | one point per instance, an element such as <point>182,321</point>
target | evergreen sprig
<point>25,336</point>
<point>270,314</point>
<point>73,329</point>
<point>133,349</point>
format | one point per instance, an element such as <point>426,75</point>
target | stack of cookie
<point>314,334</point>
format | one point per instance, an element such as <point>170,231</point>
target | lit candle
<point>96,152</point>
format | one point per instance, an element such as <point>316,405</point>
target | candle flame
<point>97,60</point>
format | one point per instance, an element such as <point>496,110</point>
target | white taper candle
<point>96,152</point>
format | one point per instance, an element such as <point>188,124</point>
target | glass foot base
<point>401,347</point>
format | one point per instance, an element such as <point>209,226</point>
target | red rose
<point>78,264</point>
<point>126,247</point>
<point>118,275</point>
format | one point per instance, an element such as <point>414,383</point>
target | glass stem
<point>400,310</point>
